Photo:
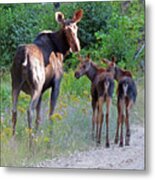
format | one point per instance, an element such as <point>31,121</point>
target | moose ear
<point>88,57</point>
<point>59,17</point>
<point>113,59</point>
<point>106,61</point>
<point>79,58</point>
<point>77,16</point>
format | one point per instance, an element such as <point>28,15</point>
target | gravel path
<point>128,157</point>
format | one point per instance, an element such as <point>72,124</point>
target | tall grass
<point>71,123</point>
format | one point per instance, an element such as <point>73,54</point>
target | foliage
<point>95,17</point>
<point>113,28</point>
<point>106,29</point>
<point>124,37</point>
<point>71,123</point>
<point>20,23</point>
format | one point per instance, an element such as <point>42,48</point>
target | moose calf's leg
<point>108,104</point>
<point>107,130</point>
<point>93,124</point>
<point>100,118</point>
<point>119,111</point>
<point>117,130</point>
<point>121,135</point>
<point>128,108</point>
<point>100,128</point>
<point>94,107</point>
<point>97,120</point>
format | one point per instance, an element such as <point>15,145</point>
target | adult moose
<point>38,66</point>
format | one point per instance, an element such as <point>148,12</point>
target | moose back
<point>38,66</point>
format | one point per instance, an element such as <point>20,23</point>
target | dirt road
<point>128,157</point>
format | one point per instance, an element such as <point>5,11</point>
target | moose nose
<point>77,75</point>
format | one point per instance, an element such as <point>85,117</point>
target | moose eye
<point>84,66</point>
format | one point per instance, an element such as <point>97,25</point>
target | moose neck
<point>92,72</point>
<point>60,41</point>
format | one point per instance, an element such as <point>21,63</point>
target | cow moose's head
<point>70,28</point>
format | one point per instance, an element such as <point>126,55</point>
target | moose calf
<point>126,97</point>
<point>101,92</point>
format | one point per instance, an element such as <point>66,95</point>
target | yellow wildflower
<point>35,140</point>
<point>46,139</point>
<point>22,110</point>
<point>74,98</point>
<point>56,116</point>
<point>8,131</point>
<point>28,131</point>
<point>85,93</point>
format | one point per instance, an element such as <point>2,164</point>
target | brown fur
<point>126,93</point>
<point>101,92</point>
<point>39,66</point>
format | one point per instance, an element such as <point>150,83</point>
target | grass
<point>71,123</point>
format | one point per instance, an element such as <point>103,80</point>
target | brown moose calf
<point>126,97</point>
<point>101,92</point>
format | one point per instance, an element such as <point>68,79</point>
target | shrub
<point>20,24</point>
<point>125,36</point>
<point>106,29</point>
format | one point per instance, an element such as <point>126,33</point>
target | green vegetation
<point>107,28</point>
<point>71,123</point>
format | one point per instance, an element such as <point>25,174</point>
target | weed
<point>71,127</point>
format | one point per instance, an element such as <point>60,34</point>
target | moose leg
<point>97,120</point>
<point>94,107</point>
<point>38,118</point>
<point>121,122</point>
<point>34,101</point>
<point>119,110</point>
<point>100,118</point>
<point>121,135</point>
<point>33,104</point>
<point>108,104</point>
<point>128,108</point>
<point>15,94</point>
<point>54,96</point>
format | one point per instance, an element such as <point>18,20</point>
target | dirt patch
<point>128,157</point>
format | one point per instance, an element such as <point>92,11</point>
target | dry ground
<point>128,157</point>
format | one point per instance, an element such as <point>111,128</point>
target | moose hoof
<point>98,143</point>
<point>121,144</point>
<point>107,145</point>
<point>116,141</point>
<point>127,140</point>
<point>127,143</point>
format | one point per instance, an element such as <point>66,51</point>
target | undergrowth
<point>71,127</point>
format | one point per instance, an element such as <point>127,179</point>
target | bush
<point>106,29</point>
<point>95,17</point>
<point>20,24</point>
<point>124,37</point>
